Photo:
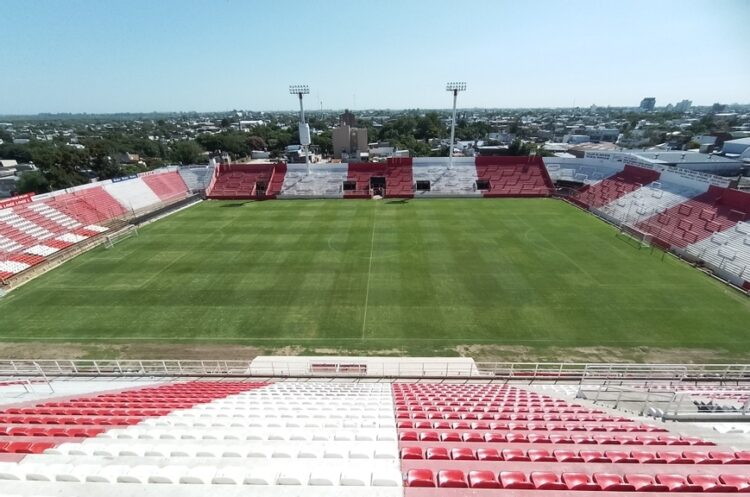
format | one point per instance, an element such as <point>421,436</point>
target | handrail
<point>581,373</point>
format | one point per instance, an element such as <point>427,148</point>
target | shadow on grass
<point>397,202</point>
<point>235,204</point>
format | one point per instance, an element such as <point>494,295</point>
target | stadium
<point>409,294</point>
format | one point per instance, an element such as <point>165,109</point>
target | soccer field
<point>422,276</point>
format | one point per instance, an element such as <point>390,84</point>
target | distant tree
<point>20,153</point>
<point>517,147</point>
<point>32,182</point>
<point>429,126</point>
<point>104,167</point>
<point>186,152</point>
<point>256,143</point>
<point>225,123</point>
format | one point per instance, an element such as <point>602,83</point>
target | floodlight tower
<point>304,128</point>
<point>454,87</point>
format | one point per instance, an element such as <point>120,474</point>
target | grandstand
<point>34,228</point>
<point>356,426</point>
<point>694,215</point>
<point>395,178</point>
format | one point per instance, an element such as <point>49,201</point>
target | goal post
<point>115,238</point>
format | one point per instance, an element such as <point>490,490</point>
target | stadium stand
<point>88,205</point>
<point>513,177</point>
<point>392,179</point>
<point>614,187</point>
<point>377,438</point>
<point>36,227</point>
<point>714,211</point>
<point>399,177</point>
<point>169,187</point>
<point>197,178</point>
<point>727,252</point>
<point>582,171</point>
<point>134,194</point>
<point>433,178</point>
<point>324,181</point>
<point>503,437</point>
<point>245,181</point>
<point>668,191</point>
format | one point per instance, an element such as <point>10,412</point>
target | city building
<point>349,142</point>
<point>648,104</point>
<point>683,106</point>
<point>735,148</point>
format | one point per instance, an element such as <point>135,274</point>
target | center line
<point>369,272</point>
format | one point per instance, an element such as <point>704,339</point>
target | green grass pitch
<point>422,276</point>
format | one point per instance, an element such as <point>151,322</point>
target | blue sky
<point>181,55</point>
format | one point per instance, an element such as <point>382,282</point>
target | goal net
<point>113,239</point>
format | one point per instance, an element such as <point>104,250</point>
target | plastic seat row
<point>67,411</point>
<point>442,403</point>
<point>607,482</point>
<point>515,416</point>
<point>18,431</point>
<point>289,407</point>
<point>576,456</point>
<point>280,414</point>
<point>481,406</point>
<point>68,420</point>
<point>335,434</point>
<point>531,426</point>
<point>548,438</point>
<point>24,447</point>
<point>180,422</point>
<point>341,451</point>
<point>206,475</point>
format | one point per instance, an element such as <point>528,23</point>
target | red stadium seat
<point>436,453</point>
<point>740,482</point>
<point>515,455</point>
<point>710,483</point>
<point>451,478</point>
<point>646,457</point>
<point>675,458</point>
<point>483,479</point>
<point>677,483</point>
<point>495,437</point>
<point>488,455</point>
<point>645,483</point>
<point>612,483</point>
<point>724,457</point>
<point>540,455</point>
<point>411,453</point>
<point>546,480</point>
<point>515,480</point>
<point>579,481</point>
<point>450,436</point>
<point>566,455</point>
<point>408,436</point>
<point>419,478</point>
<point>593,456</point>
<point>429,436</point>
<point>462,454</point>
<point>699,457</point>
<point>618,456</point>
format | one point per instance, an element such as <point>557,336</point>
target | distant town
<point>46,152</point>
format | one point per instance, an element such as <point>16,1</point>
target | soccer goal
<point>113,239</point>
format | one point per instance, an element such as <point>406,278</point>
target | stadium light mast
<point>304,128</point>
<point>455,87</point>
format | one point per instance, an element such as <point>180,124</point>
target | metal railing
<point>623,372</point>
<point>600,374</point>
